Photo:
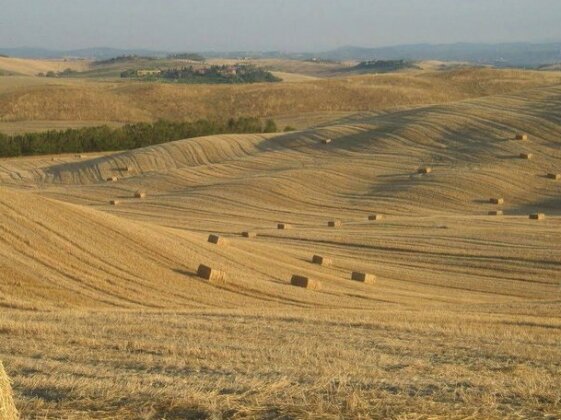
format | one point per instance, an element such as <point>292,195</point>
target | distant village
<point>238,73</point>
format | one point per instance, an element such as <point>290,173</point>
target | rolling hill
<point>27,100</point>
<point>102,313</point>
<point>32,67</point>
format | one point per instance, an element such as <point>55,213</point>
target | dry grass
<point>32,67</point>
<point>7,408</point>
<point>388,363</point>
<point>103,315</point>
<point>21,127</point>
<point>33,99</point>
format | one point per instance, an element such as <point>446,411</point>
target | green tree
<point>270,127</point>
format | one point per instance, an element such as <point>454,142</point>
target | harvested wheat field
<point>103,313</point>
<point>45,103</point>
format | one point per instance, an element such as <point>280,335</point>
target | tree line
<point>130,136</point>
<point>211,74</point>
<point>382,66</point>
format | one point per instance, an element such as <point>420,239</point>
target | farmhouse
<point>148,72</point>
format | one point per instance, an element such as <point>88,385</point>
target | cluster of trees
<point>318,60</point>
<point>65,73</point>
<point>186,56</point>
<point>131,136</point>
<point>122,59</point>
<point>212,74</point>
<point>382,66</point>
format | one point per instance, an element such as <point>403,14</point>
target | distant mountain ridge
<point>518,54</point>
<point>508,54</point>
<point>100,53</point>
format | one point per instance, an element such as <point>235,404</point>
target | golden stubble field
<point>102,314</point>
<point>34,103</point>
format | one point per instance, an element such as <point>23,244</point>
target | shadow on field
<point>47,394</point>
<point>175,413</point>
<point>185,272</point>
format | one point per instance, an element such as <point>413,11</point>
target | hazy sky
<point>294,25</point>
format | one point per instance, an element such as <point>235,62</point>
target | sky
<point>264,25</point>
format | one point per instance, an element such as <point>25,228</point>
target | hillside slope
<point>31,67</point>
<point>436,234</point>
<point>34,99</point>
<point>102,314</point>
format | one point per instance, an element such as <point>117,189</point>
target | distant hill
<point>122,59</point>
<point>501,55</point>
<point>102,53</point>
<point>552,67</point>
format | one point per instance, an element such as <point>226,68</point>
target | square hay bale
<point>8,409</point>
<point>334,223</point>
<point>305,282</point>
<point>326,141</point>
<point>424,170</point>
<point>537,216</point>
<point>283,226</point>
<point>140,194</point>
<point>114,202</point>
<point>522,136</point>
<point>215,239</point>
<point>213,276</point>
<point>375,217</point>
<point>127,168</point>
<point>318,259</point>
<point>495,213</point>
<point>497,200</point>
<point>526,156</point>
<point>112,179</point>
<point>363,277</point>
<point>249,234</point>
<point>556,177</point>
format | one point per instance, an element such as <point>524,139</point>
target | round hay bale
<point>7,407</point>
